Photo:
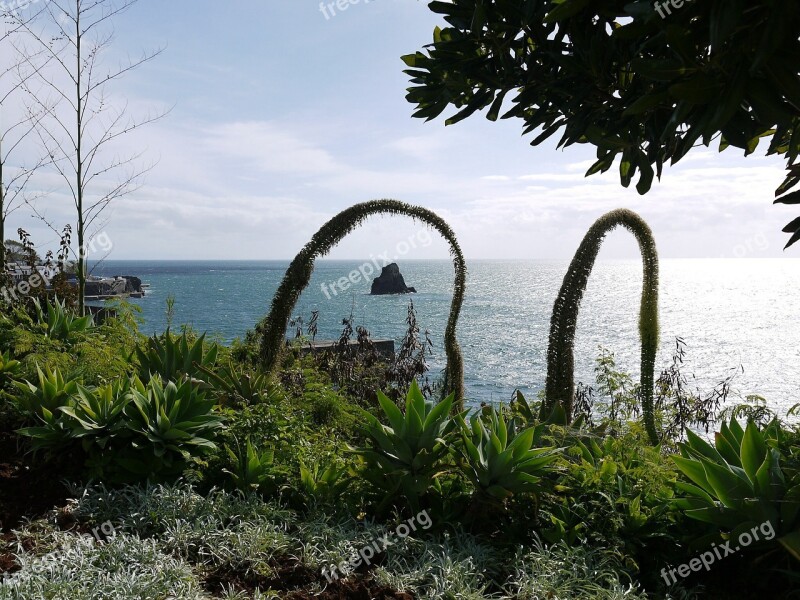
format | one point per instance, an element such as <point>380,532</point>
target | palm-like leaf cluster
<point>173,358</point>
<point>501,459</point>
<point>406,456</point>
<point>740,482</point>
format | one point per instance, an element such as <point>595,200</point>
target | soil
<point>27,490</point>
<point>8,562</point>
<point>296,580</point>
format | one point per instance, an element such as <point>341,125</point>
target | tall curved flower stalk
<point>560,385</point>
<point>272,329</point>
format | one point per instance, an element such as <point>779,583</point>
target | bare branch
<point>78,140</point>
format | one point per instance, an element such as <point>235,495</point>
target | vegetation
<point>17,252</point>
<point>404,461</point>
<point>501,459</point>
<point>14,129</point>
<point>639,86</point>
<point>174,359</point>
<point>742,481</point>
<point>60,323</point>
<point>200,474</point>
<point>560,387</point>
<point>272,329</point>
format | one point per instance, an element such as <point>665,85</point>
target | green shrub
<point>742,482</point>
<point>406,458</point>
<point>169,424</point>
<point>615,493</point>
<point>174,359</point>
<point>500,459</point>
<point>98,354</point>
<point>293,426</point>
<point>99,360</point>
<point>311,393</point>
<point>60,323</point>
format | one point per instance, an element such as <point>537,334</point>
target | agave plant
<point>252,470</point>
<point>68,411</point>
<point>95,415</point>
<point>407,456</point>
<point>174,359</point>
<point>501,459</point>
<point>233,385</point>
<point>52,433</point>
<point>8,367</point>
<point>53,392</point>
<point>61,323</point>
<point>272,328</point>
<point>326,484</point>
<point>560,384</point>
<point>741,482</point>
<point>170,424</point>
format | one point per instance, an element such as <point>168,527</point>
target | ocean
<point>731,314</point>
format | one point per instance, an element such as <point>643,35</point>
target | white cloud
<point>420,147</point>
<point>269,148</point>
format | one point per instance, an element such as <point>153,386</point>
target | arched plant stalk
<point>560,386</point>
<point>272,329</point>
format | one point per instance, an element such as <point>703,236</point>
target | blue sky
<point>280,118</point>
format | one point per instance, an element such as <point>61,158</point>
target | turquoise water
<point>729,312</point>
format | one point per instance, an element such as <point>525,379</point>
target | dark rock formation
<point>134,284</point>
<point>119,285</point>
<point>390,282</point>
<point>105,287</point>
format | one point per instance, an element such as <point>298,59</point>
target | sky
<point>281,115</point>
